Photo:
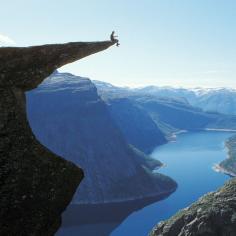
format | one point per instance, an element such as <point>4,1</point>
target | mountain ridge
<point>221,100</point>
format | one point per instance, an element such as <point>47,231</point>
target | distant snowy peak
<point>103,84</point>
<point>221,100</point>
<point>204,91</point>
<point>107,86</point>
<point>197,91</point>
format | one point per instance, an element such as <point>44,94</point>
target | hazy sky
<point>163,42</point>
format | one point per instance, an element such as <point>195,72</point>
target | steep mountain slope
<point>77,125</point>
<point>228,166</point>
<point>135,123</point>
<point>176,114</point>
<point>213,214</point>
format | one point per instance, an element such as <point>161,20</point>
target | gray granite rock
<point>212,215</point>
<point>35,184</point>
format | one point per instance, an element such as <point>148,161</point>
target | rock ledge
<point>36,185</point>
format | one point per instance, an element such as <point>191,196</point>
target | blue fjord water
<point>189,162</point>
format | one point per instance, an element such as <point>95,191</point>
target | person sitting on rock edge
<point>113,38</point>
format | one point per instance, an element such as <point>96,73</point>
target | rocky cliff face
<point>36,185</point>
<point>69,117</point>
<point>213,214</point>
<point>228,166</point>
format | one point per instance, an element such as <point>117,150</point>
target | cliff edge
<point>36,185</point>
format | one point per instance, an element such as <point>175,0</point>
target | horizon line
<point>136,86</point>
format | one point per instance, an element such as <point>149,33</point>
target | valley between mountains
<point>110,132</point>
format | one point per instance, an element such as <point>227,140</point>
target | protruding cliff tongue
<point>36,185</point>
<point>27,67</point>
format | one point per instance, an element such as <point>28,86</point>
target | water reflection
<point>102,219</point>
